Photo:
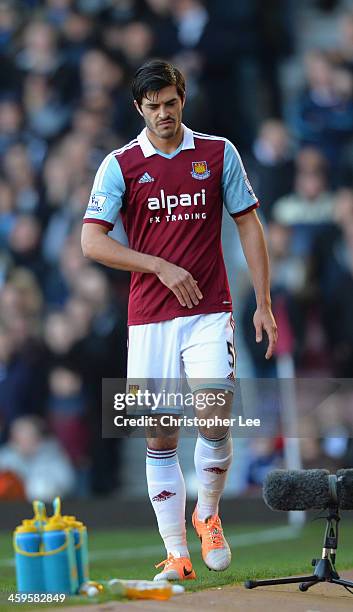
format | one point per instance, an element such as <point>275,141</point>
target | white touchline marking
<point>242,540</point>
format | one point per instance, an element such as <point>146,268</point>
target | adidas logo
<point>163,496</point>
<point>216,470</point>
<point>146,178</point>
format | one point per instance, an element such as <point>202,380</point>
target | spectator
<point>20,173</point>
<point>67,414</point>
<point>98,72</point>
<point>38,460</point>
<point>39,54</point>
<point>271,165</point>
<point>191,17</point>
<point>47,115</point>
<point>61,279</point>
<point>13,131</point>
<point>159,16</point>
<point>323,113</point>
<point>338,320</point>
<point>9,23</point>
<point>59,337</point>
<point>309,209</point>
<point>288,282</point>
<point>62,220</point>
<point>266,455</point>
<point>137,42</point>
<point>78,36</point>
<point>24,245</point>
<point>330,257</point>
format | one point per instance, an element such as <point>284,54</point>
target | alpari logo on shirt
<point>96,204</point>
<point>200,170</point>
<point>169,202</point>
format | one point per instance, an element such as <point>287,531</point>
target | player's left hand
<point>264,319</point>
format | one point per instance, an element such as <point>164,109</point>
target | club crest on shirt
<point>96,204</point>
<point>200,170</point>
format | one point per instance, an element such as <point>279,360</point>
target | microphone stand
<point>325,570</point>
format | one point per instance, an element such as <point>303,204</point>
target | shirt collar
<point>148,149</point>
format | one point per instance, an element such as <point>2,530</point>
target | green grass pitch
<point>258,552</point>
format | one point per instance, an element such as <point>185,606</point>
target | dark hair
<point>153,76</point>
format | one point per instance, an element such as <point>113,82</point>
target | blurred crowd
<point>65,102</point>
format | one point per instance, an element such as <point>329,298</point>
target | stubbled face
<point>162,112</point>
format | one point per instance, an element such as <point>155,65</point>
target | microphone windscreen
<point>345,488</point>
<point>297,490</point>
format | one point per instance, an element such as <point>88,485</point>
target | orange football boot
<point>175,568</point>
<point>214,547</point>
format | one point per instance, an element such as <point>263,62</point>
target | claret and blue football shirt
<point>171,207</point>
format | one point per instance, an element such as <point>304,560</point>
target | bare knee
<point>162,437</point>
<point>213,415</point>
<point>163,443</point>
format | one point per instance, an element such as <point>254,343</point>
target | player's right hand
<point>181,282</point>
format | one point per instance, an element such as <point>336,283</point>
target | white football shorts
<point>199,348</point>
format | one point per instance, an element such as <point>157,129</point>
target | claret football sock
<point>166,489</point>
<point>212,461</point>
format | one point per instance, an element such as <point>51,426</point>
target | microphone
<point>308,489</point>
<point>305,490</point>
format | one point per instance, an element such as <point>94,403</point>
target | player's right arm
<point>97,245</point>
<point>102,211</point>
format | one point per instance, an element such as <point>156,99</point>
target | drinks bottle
<point>133,589</point>
<point>28,558</point>
<point>28,551</point>
<point>79,531</point>
<point>59,557</point>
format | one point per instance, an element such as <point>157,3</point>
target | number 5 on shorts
<point>231,353</point>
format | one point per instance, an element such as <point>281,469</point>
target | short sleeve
<point>238,195</point>
<point>107,193</point>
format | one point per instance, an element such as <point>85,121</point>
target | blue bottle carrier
<point>51,554</point>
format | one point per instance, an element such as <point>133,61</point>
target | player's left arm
<point>241,203</point>
<point>254,246</point>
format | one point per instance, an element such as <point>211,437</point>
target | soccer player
<point>169,186</point>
